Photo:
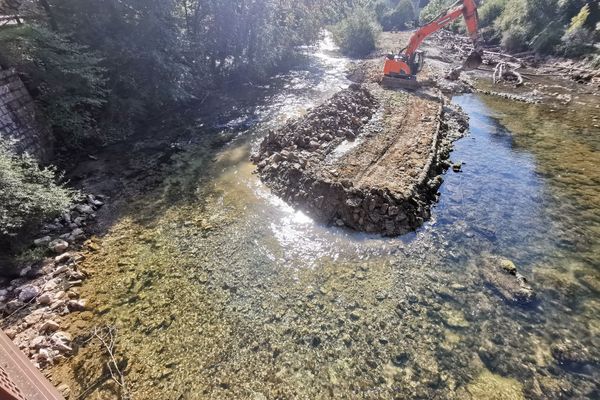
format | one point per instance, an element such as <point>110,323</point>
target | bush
<point>400,17</point>
<point>577,42</point>
<point>547,40</point>
<point>490,11</point>
<point>357,34</point>
<point>514,39</point>
<point>28,194</point>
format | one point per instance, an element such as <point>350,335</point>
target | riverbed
<point>220,290</point>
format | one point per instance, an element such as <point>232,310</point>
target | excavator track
<point>400,83</point>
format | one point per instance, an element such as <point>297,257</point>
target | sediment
<point>369,159</point>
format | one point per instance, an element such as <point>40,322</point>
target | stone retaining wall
<point>18,118</point>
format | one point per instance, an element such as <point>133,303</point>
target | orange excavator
<point>400,70</point>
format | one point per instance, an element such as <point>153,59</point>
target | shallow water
<point>220,290</point>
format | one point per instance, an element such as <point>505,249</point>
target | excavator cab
<point>401,72</point>
<point>417,62</point>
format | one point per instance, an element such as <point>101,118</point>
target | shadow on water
<point>221,290</point>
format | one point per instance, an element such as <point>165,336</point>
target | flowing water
<point>220,290</point>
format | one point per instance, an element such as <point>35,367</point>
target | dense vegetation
<point>100,68</point>
<point>559,27</point>
<point>28,194</point>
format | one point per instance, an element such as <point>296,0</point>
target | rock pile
<point>35,304</point>
<point>305,162</point>
<point>308,140</point>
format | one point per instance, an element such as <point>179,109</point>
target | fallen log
<point>503,73</point>
<point>493,53</point>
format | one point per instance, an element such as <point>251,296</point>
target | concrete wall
<point>18,118</point>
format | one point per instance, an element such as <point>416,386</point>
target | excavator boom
<point>408,62</point>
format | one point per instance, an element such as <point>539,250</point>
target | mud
<point>368,159</point>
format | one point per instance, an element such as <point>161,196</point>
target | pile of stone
<point>309,139</point>
<point>34,304</point>
<point>300,161</point>
<point>68,228</point>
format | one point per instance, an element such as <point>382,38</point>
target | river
<point>220,290</point>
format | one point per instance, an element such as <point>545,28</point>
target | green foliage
<point>29,194</point>
<point>434,8</point>
<point>578,20</point>
<point>527,25</point>
<point>577,42</point>
<point>66,76</point>
<point>139,43</point>
<point>401,16</point>
<point>357,34</point>
<point>490,10</point>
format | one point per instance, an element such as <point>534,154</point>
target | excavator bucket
<point>473,61</point>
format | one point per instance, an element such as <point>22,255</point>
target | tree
<point>65,77</point>
<point>357,34</point>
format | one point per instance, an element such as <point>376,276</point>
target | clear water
<point>220,290</point>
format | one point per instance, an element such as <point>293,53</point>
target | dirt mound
<point>367,159</point>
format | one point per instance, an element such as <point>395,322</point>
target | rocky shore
<point>369,159</point>
<point>34,306</point>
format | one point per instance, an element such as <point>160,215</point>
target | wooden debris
<point>503,72</point>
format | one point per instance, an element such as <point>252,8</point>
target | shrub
<point>490,11</point>
<point>548,39</point>
<point>29,194</point>
<point>357,34</point>
<point>514,39</point>
<point>400,17</point>
<point>577,42</point>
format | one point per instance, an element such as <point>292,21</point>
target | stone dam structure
<point>368,159</point>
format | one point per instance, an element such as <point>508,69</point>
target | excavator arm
<point>468,9</point>
<point>408,62</point>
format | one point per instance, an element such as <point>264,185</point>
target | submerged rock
<point>28,293</point>
<point>569,352</point>
<point>502,275</point>
<point>494,387</point>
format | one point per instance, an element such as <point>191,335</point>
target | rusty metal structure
<point>19,378</point>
